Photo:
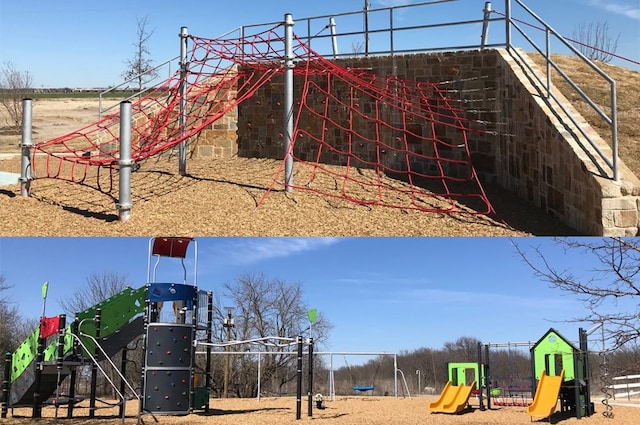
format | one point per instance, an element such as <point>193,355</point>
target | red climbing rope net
<point>366,138</point>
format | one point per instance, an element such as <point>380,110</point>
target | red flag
<point>49,326</point>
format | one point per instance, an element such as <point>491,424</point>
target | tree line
<point>262,306</point>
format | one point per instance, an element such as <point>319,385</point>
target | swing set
<point>359,387</point>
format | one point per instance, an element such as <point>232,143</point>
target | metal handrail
<point>104,373</point>
<point>126,83</point>
<point>611,121</point>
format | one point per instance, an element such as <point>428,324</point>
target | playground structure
<point>218,76</point>
<point>558,373</point>
<point>407,134</point>
<point>55,351</point>
<point>55,355</point>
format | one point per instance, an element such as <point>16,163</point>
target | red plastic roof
<point>175,247</point>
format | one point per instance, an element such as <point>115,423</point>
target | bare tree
<point>610,290</point>
<point>99,287</point>
<point>15,85</point>
<point>14,328</point>
<point>265,308</point>
<point>140,66</point>
<point>594,41</point>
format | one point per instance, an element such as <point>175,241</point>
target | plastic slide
<point>546,398</point>
<point>454,398</point>
<point>117,330</point>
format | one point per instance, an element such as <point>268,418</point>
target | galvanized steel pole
<point>288,101</point>
<point>184,68</point>
<point>334,38</point>
<point>26,146</point>
<point>125,163</point>
<point>485,24</point>
<point>507,21</point>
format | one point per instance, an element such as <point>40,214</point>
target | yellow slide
<point>454,398</point>
<point>546,398</point>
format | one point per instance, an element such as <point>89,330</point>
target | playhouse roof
<point>550,331</point>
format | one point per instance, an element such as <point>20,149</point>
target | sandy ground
<point>53,118</point>
<point>220,198</point>
<point>352,410</point>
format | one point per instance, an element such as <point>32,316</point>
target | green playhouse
<point>553,353</point>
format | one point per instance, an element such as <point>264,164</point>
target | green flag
<point>312,314</point>
<point>45,287</point>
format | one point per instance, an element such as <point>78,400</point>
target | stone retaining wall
<point>528,148</point>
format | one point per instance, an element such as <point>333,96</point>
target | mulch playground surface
<point>370,410</point>
<point>220,198</point>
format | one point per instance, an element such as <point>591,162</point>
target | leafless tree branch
<point>606,289</point>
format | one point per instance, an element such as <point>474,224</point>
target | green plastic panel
<point>24,354</point>
<point>51,351</point>
<point>556,353</point>
<point>117,311</point>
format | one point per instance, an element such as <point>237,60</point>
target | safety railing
<point>420,28</point>
<point>152,79</point>
<point>386,31</point>
<point>405,29</point>
<point>627,386</point>
<point>552,36</point>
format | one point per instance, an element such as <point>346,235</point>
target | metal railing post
<point>548,60</point>
<point>184,68</point>
<point>26,148</point>
<point>334,38</point>
<point>391,44</point>
<point>485,25</point>
<point>507,22</point>
<point>288,100</point>
<point>614,130</point>
<point>125,163</point>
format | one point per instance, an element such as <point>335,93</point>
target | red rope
<point>360,121</point>
<point>369,117</point>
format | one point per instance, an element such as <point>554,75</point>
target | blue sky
<point>381,294</point>
<point>79,43</point>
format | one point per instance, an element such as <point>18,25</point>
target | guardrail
<point>629,386</point>
<point>552,35</point>
<point>152,78</point>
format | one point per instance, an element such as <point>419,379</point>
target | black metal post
<point>209,337</point>
<point>6,382</point>
<point>94,368</point>
<point>310,391</point>
<point>481,378</point>
<point>36,411</point>
<point>576,383</point>
<point>299,382</point>
<point>534,385</point>
<point>194,328</point>
<point>62,322</point>
<point>123,370</point>
<point>74,373</point>
<point>487,374</point>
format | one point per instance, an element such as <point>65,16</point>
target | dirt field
<point>219,198</point>
<point>352,411</point>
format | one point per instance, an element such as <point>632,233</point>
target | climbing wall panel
<point>167,379</point>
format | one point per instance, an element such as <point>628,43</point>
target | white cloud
<point>252,250</point>
<point>630,9</point>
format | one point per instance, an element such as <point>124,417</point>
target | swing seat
<point>363,388</point>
